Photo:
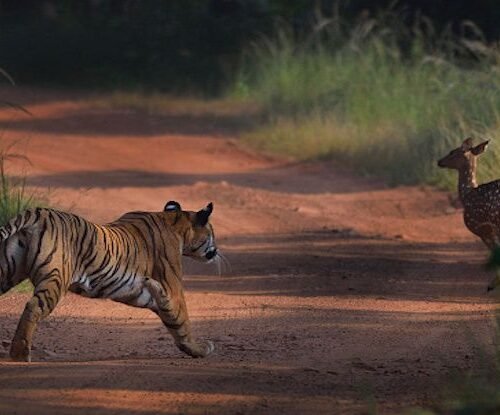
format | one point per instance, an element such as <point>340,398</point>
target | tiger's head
<point>199,239</point>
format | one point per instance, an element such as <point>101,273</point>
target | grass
<point>15,198</point>
<point>160,103</point>
<point>382,100</point>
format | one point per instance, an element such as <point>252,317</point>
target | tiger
<point>135,260</point>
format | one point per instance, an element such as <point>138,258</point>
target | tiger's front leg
<point>171,308</point>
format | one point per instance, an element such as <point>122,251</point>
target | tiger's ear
<point>174,207</point>
<point>203,215</point>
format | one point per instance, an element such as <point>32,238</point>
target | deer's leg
<point>489,240</point>
<point>49,288</point>
<point>494,282</point>
<point>171,308</point>
<point>492,240</point>
<point>487,232</point>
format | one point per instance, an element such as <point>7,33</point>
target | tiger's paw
<point>20,351</point>
<point>197,349</point>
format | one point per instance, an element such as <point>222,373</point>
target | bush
<point>386,100</point>
<point>14,197</point>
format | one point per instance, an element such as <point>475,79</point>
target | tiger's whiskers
<point>223,264</point>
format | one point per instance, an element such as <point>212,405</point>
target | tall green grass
<point>15,197</point>
<point>385,100</point>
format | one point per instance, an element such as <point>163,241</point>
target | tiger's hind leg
<point>173,313</point>
<point>49,288</point>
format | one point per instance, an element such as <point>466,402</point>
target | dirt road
<point>343,294</point>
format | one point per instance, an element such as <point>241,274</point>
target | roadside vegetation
<point>379,98</point>
<point>383,99</point>
<point>15,197</point>
<point>223,113</point>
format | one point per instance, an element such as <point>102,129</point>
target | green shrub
<point>14,198</point>
<point>384,100</point>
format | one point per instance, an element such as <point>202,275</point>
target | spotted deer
<point>481,203</point>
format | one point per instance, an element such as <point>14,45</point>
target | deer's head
<point>462,156</point>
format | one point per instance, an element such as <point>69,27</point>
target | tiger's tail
<point>23,220</point>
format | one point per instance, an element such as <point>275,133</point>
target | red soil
<point>342,292</point>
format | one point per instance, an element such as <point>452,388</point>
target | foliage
<point>14,198</point>
<point>13,195</point>
<point>383,99</point>
<point>174,45</point>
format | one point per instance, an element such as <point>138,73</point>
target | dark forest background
<point>179,45</point>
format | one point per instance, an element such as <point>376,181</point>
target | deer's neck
<point>467,179</point>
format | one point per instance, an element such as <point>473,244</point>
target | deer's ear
<point>479,148</point>
<point>467,144</point>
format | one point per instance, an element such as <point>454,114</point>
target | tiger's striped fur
<point>136,260</point>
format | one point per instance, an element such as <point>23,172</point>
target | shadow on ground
<point>336,263</point>
<point>315,316</point>
<point>211,388</point>
<point>272,179</point>
<point>259,363</point>
<point>104,122</point>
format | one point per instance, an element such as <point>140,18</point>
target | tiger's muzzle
<point>211,254</point>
